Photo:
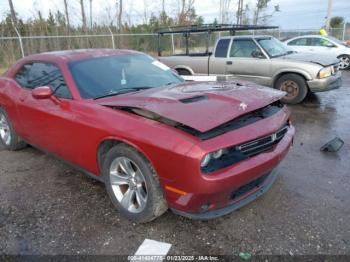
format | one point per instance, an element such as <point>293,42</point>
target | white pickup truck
<point>263,60</point>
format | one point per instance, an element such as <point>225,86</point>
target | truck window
<point>243,48</point>
<point>222,47</point>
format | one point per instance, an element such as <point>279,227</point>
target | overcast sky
<point>294,14</point>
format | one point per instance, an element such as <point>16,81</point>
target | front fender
<point>304,73</point>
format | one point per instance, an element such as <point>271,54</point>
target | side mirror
<point>330,45</point>
<point>42,92</point>
<point>257,54</point>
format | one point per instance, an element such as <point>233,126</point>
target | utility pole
<point>329,15</point>
<point>220,13</point>
<point>91,14</point>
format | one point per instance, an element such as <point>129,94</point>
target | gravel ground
<point>46,207</point>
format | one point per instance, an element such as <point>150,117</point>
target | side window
<point>316,41</point>
<point>243,48</point>
<point>22,75</point>
<point>44,74</point>
<point>299,41</point>
<point>222,48</point>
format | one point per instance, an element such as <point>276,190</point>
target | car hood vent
<point>193,99</point>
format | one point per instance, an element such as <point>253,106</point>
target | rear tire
<point>8,136</point>
<point>183,72</point>
<point>294,85</point>
<point>344,62</point>
<point>133,184</point>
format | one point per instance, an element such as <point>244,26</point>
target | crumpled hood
<point>199,105</point>
<point>321,59</point>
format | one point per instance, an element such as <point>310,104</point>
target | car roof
<point>308,36</point>
<point>77,54</point>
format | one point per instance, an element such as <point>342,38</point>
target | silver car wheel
<point>5,132</point>
<point>128,184</point>
<point>344,62</point>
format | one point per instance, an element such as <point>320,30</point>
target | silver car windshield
<point>273,47</point>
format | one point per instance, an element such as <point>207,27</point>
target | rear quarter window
<point>222,48</point>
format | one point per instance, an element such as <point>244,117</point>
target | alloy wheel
<point>344,62</point>
<point>291,87</point>
<point>128,184</point>
<point>5,132</point>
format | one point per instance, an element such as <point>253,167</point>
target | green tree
<point>337,22</point>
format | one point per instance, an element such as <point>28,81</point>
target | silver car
<point>263,60</point>
<point>328,45</point>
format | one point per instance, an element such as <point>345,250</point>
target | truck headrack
<point>206,28</point>
<point>211,28</point>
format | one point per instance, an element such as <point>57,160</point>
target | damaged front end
<point>239,122</point>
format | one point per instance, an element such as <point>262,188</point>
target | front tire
<point>344,62</point>
<point>294,85</point>
<point>133,185</point>
<point>8,136</point>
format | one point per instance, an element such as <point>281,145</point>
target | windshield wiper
<point>124,91</point>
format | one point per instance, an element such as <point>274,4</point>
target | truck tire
<point>294,85</point>
<point>8,136</point>
<point>133,184</point>
<point>344,62</point>
<point>183,72</point>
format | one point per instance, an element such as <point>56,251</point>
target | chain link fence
<point>14,47</point>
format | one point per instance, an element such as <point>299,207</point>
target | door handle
<point>228,62</point>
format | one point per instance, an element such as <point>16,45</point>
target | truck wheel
<point>344,62</point>
<point>133,184</point>
<point>183,72</point>
<point>8,137</point>
<point>294,85</point>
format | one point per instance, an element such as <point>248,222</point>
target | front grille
<point>246,150</point>
<point>248,187</point>
<point>260,145</point>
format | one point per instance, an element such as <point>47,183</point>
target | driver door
<point>242,63</point>
<point>42,120</point>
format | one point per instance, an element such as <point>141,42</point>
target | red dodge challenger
<point>202,149</point>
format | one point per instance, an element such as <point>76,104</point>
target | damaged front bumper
<point>232,188</point>
<point>240,202</point>
<point>325,84</point>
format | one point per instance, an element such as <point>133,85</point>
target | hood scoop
<point>193,99</point>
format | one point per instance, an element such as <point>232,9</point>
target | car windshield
<point>336,40</point>
<point>112,75</point>
<point>274,47</point>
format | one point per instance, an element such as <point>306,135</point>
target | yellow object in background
<point>323,32</point>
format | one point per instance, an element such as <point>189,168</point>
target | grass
<point>2,70</point>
